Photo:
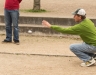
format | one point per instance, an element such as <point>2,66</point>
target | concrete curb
<point>34,29</point>
<point>38,20</point>
<point>34,23</point>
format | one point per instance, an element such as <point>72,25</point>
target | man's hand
<point>45,23</point>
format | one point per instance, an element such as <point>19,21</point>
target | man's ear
<point>80,17</point>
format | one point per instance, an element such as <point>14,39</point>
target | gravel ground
<point>57,8</point>
<point>45,55</point>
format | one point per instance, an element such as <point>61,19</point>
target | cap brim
<point>73,13</point>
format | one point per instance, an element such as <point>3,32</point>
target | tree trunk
<point>36,5</point>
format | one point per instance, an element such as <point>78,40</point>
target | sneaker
<point>6,41</point>
<point>88,63</point>
<point>94,56</point>
<point>16,42</point>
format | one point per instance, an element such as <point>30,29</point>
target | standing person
<point>11,13</point>
<point>87,31</point>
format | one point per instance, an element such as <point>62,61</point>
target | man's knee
<point>73,47</point>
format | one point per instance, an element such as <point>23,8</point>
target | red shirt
<point>12,4</point>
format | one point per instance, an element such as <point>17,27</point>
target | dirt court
<point>57,8</point>
<point>45,55</point>
<point>41,56</point>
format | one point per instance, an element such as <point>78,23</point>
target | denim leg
<point>83,51</point>
<point>15,18</point>
<point>8,25</point>
<point>90,54</point>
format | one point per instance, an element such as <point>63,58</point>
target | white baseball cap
<point>79,12</point>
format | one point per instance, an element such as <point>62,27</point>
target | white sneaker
<point>88,63</point>
<point>94,56</point>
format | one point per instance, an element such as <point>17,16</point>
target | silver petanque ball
<point>29,31</point>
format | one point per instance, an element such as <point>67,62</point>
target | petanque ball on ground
<point>29,31</point>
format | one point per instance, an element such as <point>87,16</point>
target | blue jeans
<point>11,17</point>
<point>83,51</point>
